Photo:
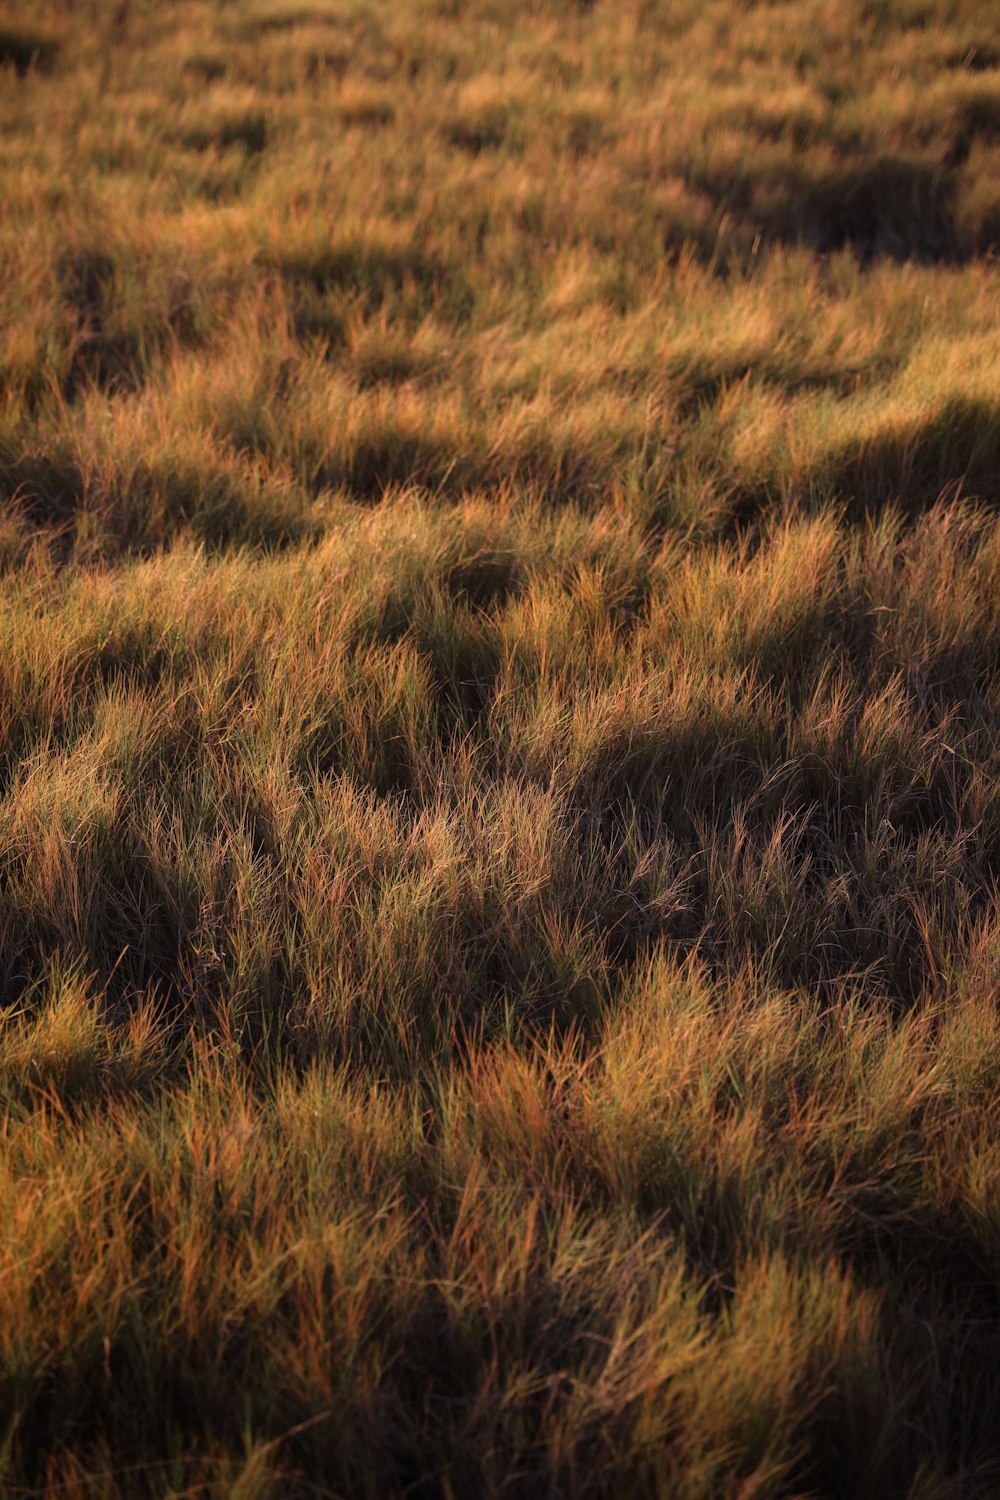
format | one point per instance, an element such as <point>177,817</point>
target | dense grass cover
<point>499,748</point>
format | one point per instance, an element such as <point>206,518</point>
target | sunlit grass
<point>499,735</point>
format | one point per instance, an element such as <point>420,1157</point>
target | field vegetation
<point>499,748</point>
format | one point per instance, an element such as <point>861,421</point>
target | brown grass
<point>499,736</point>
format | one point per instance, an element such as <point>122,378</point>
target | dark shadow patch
<point>486,580</point>
<point>464,664</point>
<point>980,114</point>
<point>387,457</point>
<point>585,133</point>
<point>981,57</point>
<point>111,362</point>
<point>839,906</point>
<point>137,512</point>
<point>268,22</point>
<point>100,353</point>
<point>369,113</point>
<point>209,66</point>
<point>325,64</point>
<point>376,753</point>
<point>891,207</point>
<point>947,1266</point>
<point>84,276</point>
<point>485,131</point>
<point>555,472</point>
<point>105,346</point>
<point>389,363</point>
<point>702,382</point>
<point>955,454</point>
<point>977,120</point>
<point>247,131</point>
<point>319,317</point>
<point>391,457</point>
<point>956,450</point>
<point>47,490</point>
<point>157,501</point>
<point>375,274</point>
<point>27,51</point>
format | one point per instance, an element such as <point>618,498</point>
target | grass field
<point>500,749</point>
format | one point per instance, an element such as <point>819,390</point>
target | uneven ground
<point>499,748</point>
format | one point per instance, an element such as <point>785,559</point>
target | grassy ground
<point>499,748</point>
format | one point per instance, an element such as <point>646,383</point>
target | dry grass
<point>499,738</point>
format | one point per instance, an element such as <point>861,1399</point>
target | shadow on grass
<point>47,491</point>
<point>951,454</point>
<point>247,130</point>
<point>138,511</point>
<point>956,450</point>
<point>27,50</point>
<point>485,130</point>
<point>111,344</point>
<point>374,273</point>
<point>266,22</point>
<point>881,207</point>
